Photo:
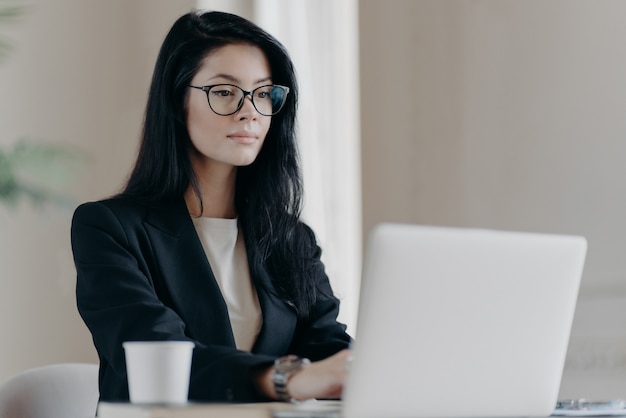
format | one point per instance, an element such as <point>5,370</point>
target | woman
<point>205,242</point>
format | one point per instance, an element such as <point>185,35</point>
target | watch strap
<point>284,368</point>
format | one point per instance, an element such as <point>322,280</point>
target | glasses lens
<point>268,100</point>
<point>225,99</point>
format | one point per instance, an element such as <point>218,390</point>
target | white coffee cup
<point>158,371</point>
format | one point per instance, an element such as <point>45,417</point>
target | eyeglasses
<point>227,99</point>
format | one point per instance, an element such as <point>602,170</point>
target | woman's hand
<point>322,379</point>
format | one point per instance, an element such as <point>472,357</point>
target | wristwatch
<point>284,368</point>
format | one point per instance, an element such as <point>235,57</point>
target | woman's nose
<point>248,110</point>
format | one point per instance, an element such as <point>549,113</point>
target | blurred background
<point>503,114</point>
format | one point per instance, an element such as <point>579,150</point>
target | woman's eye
<point>265,94</point>
<point>222,93</point>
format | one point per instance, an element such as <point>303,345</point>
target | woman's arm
<point>320,338</point>
<point>322,379</point>
<point>320,335</point>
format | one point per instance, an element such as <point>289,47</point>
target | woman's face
<point>233,140</point>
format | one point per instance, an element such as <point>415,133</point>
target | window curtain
<point>322,38</point>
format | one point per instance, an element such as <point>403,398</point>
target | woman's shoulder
<point>116,204</point>
<point>303,241</point>
<point>131,211</point>
<point>122,208</point>
<point>304,231</point>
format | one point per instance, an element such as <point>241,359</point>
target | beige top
<point>225,248</point>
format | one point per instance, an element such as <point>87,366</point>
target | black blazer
<point>143,275</point>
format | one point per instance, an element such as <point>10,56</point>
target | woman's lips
<point>244,137</point>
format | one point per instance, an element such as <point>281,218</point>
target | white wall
<point>507,114</point>
<point>79,76</point>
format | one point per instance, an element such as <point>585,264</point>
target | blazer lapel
<point>279,319</point>
<point>187,275</point>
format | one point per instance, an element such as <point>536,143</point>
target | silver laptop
<point>462,322</point>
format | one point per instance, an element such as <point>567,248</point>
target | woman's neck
<point>217,189</point>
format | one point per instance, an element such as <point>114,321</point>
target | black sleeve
<point>321,335</point>
<point>117,300</point>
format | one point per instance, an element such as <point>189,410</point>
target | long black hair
<point>268,194</point>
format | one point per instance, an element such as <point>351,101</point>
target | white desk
<point>214,410</point>
<point>203,410</point>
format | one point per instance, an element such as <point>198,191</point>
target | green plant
<point>36,171</point>
<point>31,169</point>
<point>9,12</point>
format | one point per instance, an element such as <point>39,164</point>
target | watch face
<point>288,363</point>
